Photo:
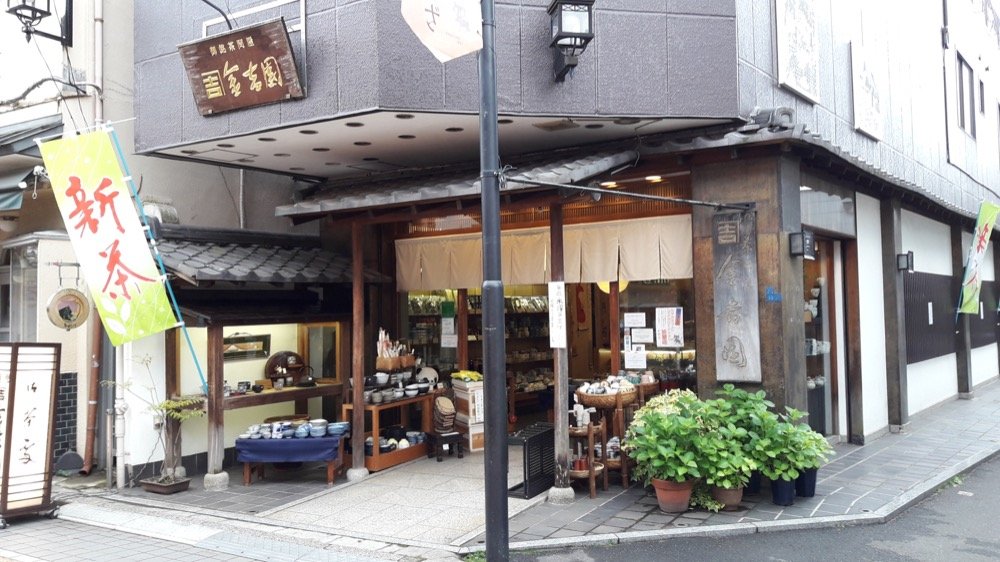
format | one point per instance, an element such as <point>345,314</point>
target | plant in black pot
<point>783,458</point>
<point>814,451</point>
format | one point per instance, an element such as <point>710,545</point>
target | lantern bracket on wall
<point>904,262</point>
<point>572,29</point>
<point>31,13</point>
<point>802,244</point>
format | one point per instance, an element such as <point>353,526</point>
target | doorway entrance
<point>824,330</point>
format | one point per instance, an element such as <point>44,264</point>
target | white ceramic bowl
<point>412,391</point>
<point>382,378</point>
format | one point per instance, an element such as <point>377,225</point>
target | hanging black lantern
<point>31,13</point>
<point>572,30</point>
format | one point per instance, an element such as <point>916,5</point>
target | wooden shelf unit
<point>381,461</point>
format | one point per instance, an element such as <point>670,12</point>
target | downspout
<point>120,408</point>
<point>99,61</point>
<point>243,205</point>
<point>93,387</point>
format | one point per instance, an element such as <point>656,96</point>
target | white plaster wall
<point>984,363</point>
<point>931,382</point>
<point>873,383</point>
<point>930,242</point>
<point>75,353</point>
<point>147,386</point>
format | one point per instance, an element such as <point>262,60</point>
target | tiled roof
<point>200,255</point>
<point>451,184</point>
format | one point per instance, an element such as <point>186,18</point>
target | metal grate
<point>539,442</point>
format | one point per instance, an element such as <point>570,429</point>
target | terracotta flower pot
<point>730,498</point>
<point>673,497</point>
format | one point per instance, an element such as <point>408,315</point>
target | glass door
<point>821,349</point>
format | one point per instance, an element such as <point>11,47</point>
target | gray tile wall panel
<point>540,94</point>
<point>357,53</point>
<point>745,30</point>
<point>763,34</point>
<point>702,7</point>
<point>409,75</point>
<point>747,85</point>
<point>701,66</point>
<point>623,36</point>
<point>162,87</point>
<point>157,28</point>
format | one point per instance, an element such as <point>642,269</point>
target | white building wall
<point>984,363</point>
<point>931,382</point>
<point>873,385</point>
<point>145,386</point>
<point>930,242</point>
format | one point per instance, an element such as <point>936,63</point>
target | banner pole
<point>156,254</point>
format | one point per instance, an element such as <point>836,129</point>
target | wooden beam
<point>855,399</point>
<point>171,427</point>
<point>216,405</point>
<point>963,333</point>
<point>462,318</point>
<point>895,313</point>
<point>616,332</point>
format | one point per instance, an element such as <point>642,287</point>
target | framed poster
<point>246,346</point>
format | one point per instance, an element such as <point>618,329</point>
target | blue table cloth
<point>308,449</point>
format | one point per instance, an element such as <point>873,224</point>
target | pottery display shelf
<point>379,460</point>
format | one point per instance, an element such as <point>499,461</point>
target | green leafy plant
<point>792,447</point>
<point>665,437</point>
<point>751,411</point>
<point>814,448</point>
<point>701,497</point>
<point>724,458</point>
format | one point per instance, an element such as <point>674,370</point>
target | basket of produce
<point>605,394</point>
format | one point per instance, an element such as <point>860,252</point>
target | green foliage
<point>701,497</point>
<point>475,557</point>
<point>182,408</point>
<point>724,456</point>
<point>793,447</point>
<point>664,437</point>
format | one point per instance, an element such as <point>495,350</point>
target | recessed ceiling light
<point>626,121</point>
<point>609,184</point>
<point>354,124</point>
<point>225,145</point>
<point>654,179</point>
<point>282,155</point>
<point>407,137</point>
<point>505,121</point>
<point>404,116</point>
<point>805,188</point>
<point>296,168</point>
<point>454,129</point>
<point>594,126</point>
<point>332,163</point>
<point>321,149</point>
<point>189,152</point>
<point>362,143</point>
<point>308,132</point>
<point>266,139</point>
<point>245,160</point>
<point>370,159</point>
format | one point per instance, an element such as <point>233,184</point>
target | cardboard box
<point>470,404</point>
<point>475,435</point>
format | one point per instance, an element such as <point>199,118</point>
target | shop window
<point>966,97</point>
<point>982,97</point>
<point>23,294</point>
<point>5,303</point>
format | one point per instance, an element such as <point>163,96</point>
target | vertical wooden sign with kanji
<point>28,374</point>
<point>108,239</point>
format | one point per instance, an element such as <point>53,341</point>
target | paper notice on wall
<point>642,335</point>
<point>635,319</point>
<point>670,327</point>
<point>635,359</point>
<point>449,341</point>
<point>557,315</point>
<point>447,326</point>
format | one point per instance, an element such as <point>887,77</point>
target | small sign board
<point>241,68</point>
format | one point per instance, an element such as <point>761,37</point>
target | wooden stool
<point>436,442</point>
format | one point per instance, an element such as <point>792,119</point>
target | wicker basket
<point>598,468</point>
<point>606,401</point>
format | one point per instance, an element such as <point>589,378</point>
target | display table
<point>253,453</point>
<point>378,460</point>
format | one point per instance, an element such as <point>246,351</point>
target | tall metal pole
<point>494,352</point>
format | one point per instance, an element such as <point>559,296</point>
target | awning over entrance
<point>10,192</point>
<point>451,185</point>
<point>19,138</point>
<point>206,255</point>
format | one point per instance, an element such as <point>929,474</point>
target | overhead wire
<point>71,74</point>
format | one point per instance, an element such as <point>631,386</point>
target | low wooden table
<point>254,453</point>
<point>378,460</point>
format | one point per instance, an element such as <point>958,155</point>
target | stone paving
<point>427,510</point>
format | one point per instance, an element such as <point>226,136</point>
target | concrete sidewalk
<point>423,517</point>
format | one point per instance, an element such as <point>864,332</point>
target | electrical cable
<point>62,98</point>
<point>224,16</point>
<point>69,61</point>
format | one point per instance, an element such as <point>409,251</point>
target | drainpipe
<point>243,205</point>
<point>93,387</point>
<point>99,60</point>
<point>120,408</point>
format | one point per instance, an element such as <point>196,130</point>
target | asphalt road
<point>958,523</point>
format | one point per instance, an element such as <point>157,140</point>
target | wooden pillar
<point>357,347</point>
<point>171,427</point>
<point>614,328</point>
<point>852,328</point>
<point>963,335</point>
<point>560,357</point>
<point>216,408</point>
<point>895,314</point>
<point>462,329</point>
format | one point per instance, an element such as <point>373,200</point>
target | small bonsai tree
<point>168,414</point>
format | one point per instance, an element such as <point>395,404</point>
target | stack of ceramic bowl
<point>318,428</point>
<point>412,389</point>
<point>424,387</point>
<point>415,437</point>
<point>338,428</point>
<point>444,415</point>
